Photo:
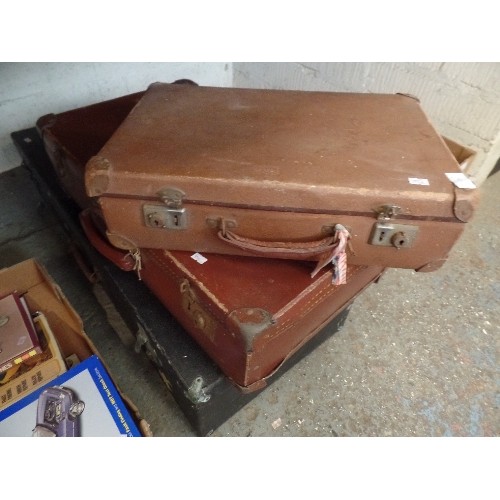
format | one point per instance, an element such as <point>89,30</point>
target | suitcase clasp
<point>172,197</point>
<point>196,392</point>
<point>161,217</point>
<point>197,314</point>
<point>387,212</point>
<point>172,215</point>
<point>387,233</point>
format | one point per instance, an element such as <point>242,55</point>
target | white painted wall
<point>30,90</point>
<point>461,99</point>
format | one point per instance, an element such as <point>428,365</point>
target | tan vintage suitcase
<point>272,172</point>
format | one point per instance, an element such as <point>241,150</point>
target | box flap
<point>43,294</point>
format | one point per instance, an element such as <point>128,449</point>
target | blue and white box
<point>83,402</point>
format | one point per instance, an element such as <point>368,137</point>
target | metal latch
<point>388,233</point>
<point>170,216</point>
<point>141,340</point>
<point>387,212</point>
<point>194,310</point>
<point>196,392</point>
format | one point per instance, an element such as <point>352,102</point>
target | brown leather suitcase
<point>249,315</point>
<point>272,172</point>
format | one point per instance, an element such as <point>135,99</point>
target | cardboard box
<point>83,402</point>
<point>43,294</point>
<point>463,155</point>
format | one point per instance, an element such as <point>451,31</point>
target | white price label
<point>199,258</point>
<point>417,181</point>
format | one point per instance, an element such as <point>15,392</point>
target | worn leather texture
<point>249,315</point>
<point>284,166</point>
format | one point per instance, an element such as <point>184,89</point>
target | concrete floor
<point>418,355</point>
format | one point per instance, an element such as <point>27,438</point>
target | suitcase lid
<point>280,288</point>
<point>281,150</point>
<point>83,131</point>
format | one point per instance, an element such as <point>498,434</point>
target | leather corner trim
<point>97,176</point>
<point>251,321</point>
<point>45,121</point>
<point>120,241</point>
<point>465,203</point>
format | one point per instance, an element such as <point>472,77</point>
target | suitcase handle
<point>124,260</point>
<point>279,249</point>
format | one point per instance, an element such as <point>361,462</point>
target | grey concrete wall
<point>30,90</point>
<point>461,99</point>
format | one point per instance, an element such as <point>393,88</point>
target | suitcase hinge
<point>143,344</point>
<point>172,197</point>
<point>387,233</point>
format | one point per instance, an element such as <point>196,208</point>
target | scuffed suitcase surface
<point>280,166</point>
<point>249,315</point>
<point>206,397</point>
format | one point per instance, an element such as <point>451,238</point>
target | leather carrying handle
<point>310,250</point>
<point>123,260</point>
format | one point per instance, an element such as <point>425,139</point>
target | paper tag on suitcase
<point>340,269</point>
<point>338,257</point>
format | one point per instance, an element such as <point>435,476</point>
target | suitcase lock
<point>388,233</point>
<point>171,215</point>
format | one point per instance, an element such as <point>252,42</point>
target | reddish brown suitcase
<point>271,172</point>
<point>68,139</point>
<point>250,315</point>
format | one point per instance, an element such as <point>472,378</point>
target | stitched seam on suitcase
<point>316,299</point>
<point>287,324</point>
<point>329,288</point>
<point>325,320</point>
<point>310,305</point>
